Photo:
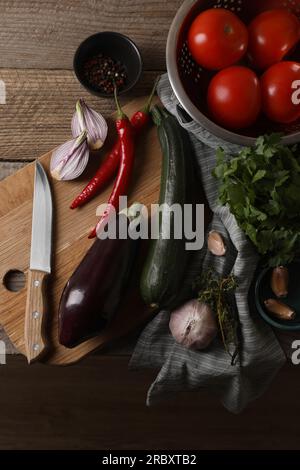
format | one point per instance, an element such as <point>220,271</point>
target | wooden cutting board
<point>70,242</point>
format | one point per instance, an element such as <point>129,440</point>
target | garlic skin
<point>193,325</point>
<point>280,281</point>
<point>279,309</point>
<point>86,119</point>
<point>216,244</point>
<point>69,160</point>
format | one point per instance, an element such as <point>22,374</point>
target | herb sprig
<point>261,186</point>
<point>214,291</point>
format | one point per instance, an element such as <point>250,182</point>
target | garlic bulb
<point>86,119</point>
<point>70,159</point>
<point>193,325</point>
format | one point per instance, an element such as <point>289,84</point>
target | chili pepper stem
<point>121,114</point>
<point>146,108</point>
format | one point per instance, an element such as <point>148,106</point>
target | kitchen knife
<point>40,265</point>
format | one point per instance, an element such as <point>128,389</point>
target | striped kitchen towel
<point>261,355</point>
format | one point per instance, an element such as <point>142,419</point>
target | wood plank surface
<point>39,108</point>
<point>99,404</point>
<point>44,34</point>
<point>8,168</point>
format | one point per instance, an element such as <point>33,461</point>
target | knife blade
<point>40,265</point>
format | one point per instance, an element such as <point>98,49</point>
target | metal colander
<point>190,82</point>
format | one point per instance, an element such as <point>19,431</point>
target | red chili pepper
<point>126,139</point>
<point>103,175</point>
<point>110,165</point>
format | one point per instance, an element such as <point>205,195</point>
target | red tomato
<point>234,97</point>
<point>279,89</point>
<point>217,39</point>
<point>272,35</point>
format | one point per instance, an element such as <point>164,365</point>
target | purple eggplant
<point>95,290</point>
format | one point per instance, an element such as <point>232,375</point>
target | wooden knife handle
<point>34,316</point>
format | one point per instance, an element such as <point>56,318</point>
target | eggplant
<point>95,290</point>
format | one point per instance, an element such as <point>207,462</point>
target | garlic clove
<point>86,118</point>
<point>193,325</point>
<point>279,309</point>
<point>216,244</point>
<point>69,160</point>
<point>280,281</point>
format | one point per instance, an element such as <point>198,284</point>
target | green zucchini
<point>166,261</point>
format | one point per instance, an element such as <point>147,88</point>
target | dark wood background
<point>99,404</point>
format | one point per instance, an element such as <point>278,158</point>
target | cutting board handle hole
<point>14,280</point>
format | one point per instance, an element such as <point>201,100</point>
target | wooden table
<point>99,404</point>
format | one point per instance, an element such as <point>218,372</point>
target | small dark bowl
<point>114,45</point>
<point>264,292</point>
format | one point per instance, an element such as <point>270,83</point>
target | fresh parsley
<point>261,186</point>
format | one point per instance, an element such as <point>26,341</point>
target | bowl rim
<point>185,101</point>
<point>95,36</point>
<point>261,311</point>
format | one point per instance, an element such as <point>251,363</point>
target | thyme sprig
<point>214,290</point>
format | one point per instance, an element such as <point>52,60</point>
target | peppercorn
<point>103,73</point>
